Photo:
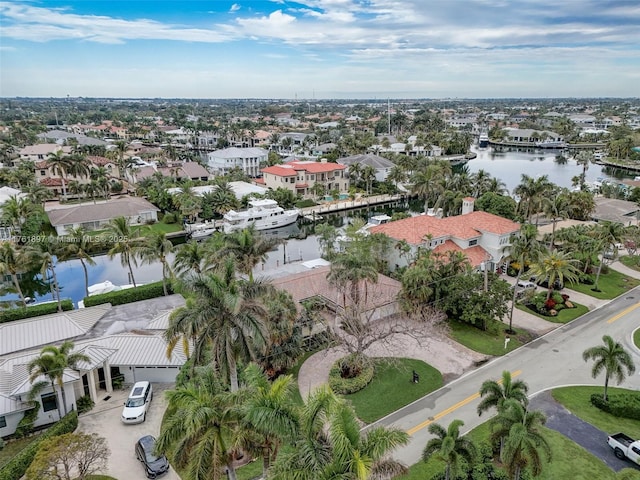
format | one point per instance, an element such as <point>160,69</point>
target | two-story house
<point>249,160</point>
<point>483,237</point>
<point>302,178</point>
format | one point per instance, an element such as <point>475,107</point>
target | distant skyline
<point>320,49</point>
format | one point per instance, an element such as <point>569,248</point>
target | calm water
<point>507,166</point>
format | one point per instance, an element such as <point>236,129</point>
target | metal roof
<point>160,321</point>
<point>96,354</point>
<point>141,350</point>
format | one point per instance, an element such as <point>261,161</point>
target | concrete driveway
<point>104,420</point>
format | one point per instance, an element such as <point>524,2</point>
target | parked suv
<point>153,465</point>
<point>523,286</point>
<point>136,406</point>
<point>544,283</point>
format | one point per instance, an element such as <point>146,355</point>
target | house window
<point>3,422</point>
<point>473,242</point>
<point>49,402</point>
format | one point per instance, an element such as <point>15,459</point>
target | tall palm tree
<point>449,447</point>
<point>124,241</point>
<point>426,182</point>
<point>77,245</point>
<point>524,445</point>
<point>495,394</point>
<point>190,257</point>
<point>16,210</point>
<point>45,255</point>
<point>557,207</point>
<point>607,234</point>
<point>248,247</point>
<point>59,163</point>
<point>524,249</point>
<point>532,191</point>
<point>13,259</point>
<point>330,444</point>
<point>200,429</point>
<point>353,269</point>
<point>156,247</point>
<point>226,316</point>
<point>51,363</point>
<point>612,358</point>
<point>554,266</point>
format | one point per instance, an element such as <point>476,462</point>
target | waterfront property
<point>94,216</point>
<point>381,165</point>
<point>484,238</point>
<point>303,177</point>
<point>246,159</point>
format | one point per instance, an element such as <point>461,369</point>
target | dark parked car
<point>557,284</point>
<point>153,464</point>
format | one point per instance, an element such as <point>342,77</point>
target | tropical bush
<point>33,311</point>
<point>350,374</point>
<point>623,405</point>
<point>19,464</point>
<point>85,404</point>
<point>142,292</point>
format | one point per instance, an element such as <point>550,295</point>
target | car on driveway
<point>137,404</point>
<point>154,465</point>
<point>544,283</point>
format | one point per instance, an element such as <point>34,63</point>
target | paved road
<point>549,361</point>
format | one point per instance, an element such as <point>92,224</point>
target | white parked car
<point>136,406</point>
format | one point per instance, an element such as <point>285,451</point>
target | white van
<point>136,406</point>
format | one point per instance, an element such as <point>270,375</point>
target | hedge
<point>129,295</point>
<point>623,405</point>
<point>346,386</point>
<point>19,464</point>
<point>14,314</point>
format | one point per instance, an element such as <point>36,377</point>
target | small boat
<point>377,220</point>
<point>264,214</point>
<point>549,143</point>
<point>483,141</point>
<point>198,231</point>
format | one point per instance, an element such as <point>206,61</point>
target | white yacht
<point>263,214</point>
<point>197,231</point>
<point>483,141</point>
<point>550,143</point>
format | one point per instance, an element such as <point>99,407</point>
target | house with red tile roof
<point>481,236</point>
<point>301,177</point>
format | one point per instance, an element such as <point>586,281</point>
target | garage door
<point>155,374</point>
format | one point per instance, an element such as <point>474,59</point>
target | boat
<point>197,231</point>
<point>549,143</point>
<point>377,220</point>
<point>483,141</point>
<point>263,214</point>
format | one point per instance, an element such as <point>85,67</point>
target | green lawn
<point>611,285</point>
<point>488,343</point>
<point>631,261</point>
<point>565,315</point>
<point>636,338</point>
<point>570,460</point>
<point>392,388</point>
<point>13,447</point>
<point>576,400</point>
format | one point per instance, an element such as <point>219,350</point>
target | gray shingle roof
<point>127,207</point>
<point>367,159</point>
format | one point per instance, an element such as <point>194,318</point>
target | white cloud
<point>234,8</point>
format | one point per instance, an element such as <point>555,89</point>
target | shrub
<point>85,404</point>
<point>142,292</point>
<point>33,311</point>
<point>340,384</point>
<point>623,405</point>
<point>306,203</point>
<point>18,465</point>
<point>1,443</point>
<point>25,425</point>
<point>586,279</point>
<point>170,218</point>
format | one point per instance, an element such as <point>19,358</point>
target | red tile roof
<point>51,182</point>
<point>476,254</point>
<point>100,161</point>
<point>280,170</point>
<point>290,169</point>
<point>413,230</point>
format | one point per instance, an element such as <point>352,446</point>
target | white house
<point>381,165</point>
<point>247,159</point>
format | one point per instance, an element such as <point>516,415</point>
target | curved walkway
<point>584,434</point>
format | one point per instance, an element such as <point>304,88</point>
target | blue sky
<point>320,48</point>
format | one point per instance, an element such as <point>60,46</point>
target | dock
<point>312,213</point>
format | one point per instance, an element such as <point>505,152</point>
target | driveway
<point>584,434</point>
<point>104,420</point>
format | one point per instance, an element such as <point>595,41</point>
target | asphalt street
<point>552,360</point>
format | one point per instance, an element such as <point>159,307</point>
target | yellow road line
<point>453,408</point>
<point>623,313</point>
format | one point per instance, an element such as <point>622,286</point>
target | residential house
<point>528,135</point>
<point>249,160</point>
<point>483,237</point>
<point>301,177</point>
<point>241,189</point>
<point>46,176</point>
<point>6,193</point>
<point>381,165</point>
<point>179,170</point>
<point>95,216</point>
<point>41,151</point>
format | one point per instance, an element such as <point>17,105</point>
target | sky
<point>320,49</point>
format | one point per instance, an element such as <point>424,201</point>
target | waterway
<point>301,244</point>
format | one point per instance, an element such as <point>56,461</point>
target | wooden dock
<point>311,213</point>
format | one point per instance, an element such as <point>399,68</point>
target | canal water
<point>301,244</point>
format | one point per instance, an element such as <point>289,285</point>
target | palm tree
<point>156,247</point>
<point>77,245</point>
<point>330,444</point>
<point>248,247</point>
<point>190,257</point>
<point>13,259</point>
<point>226,316</point>
<point>449,447</point>
<point>554,266</point>
<point>607,234</point>
<point>45,255</point>
<point>532,191</point>
<point>124,242</point>
<point>16,210</point>
<point>612,358</point>
<point>59,163</point>
<point>524,248</point>
<point>557,207</point>
<point>524,443</point>
<point>495,394</point>
<point>426,182</point>
<point>200,429</point>
<point>270,412</point>
<point>51,364</point>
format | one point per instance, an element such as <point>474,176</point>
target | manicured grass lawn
<point>636,338</point>
<point>576,400</point>
<point>611,285</point>
<point>565,315</point>
<point>631,261</point>
<point>392,388</point>
<point>12,448</point>
<point>489,343</point>
<point>569,460</point>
